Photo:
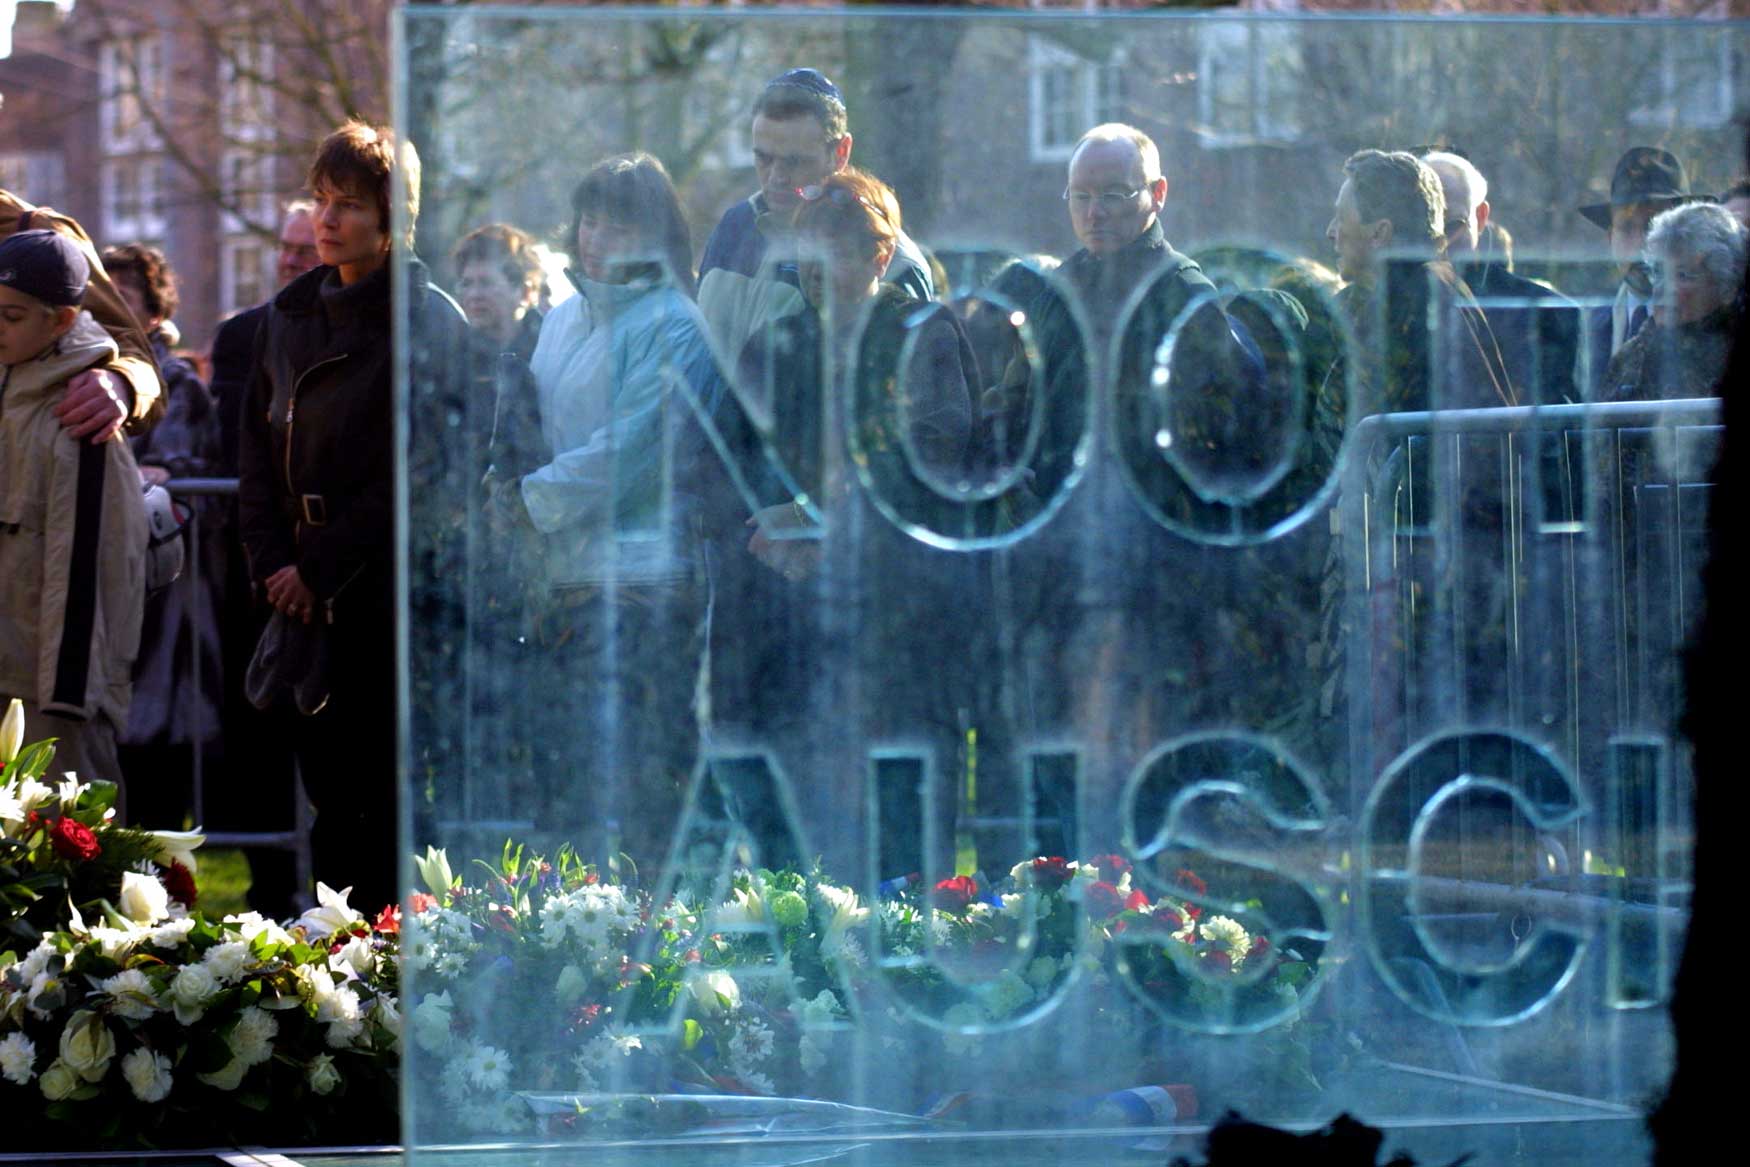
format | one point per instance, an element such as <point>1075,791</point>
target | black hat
<point>46,265</point>
<point>1646,174</point>
<point>812,80</point>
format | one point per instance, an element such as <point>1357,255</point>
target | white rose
<point>570,987</point>
<point>190,991</point>
<point>87,1045</point>
<point>143,898</point>
<point>58,1081</point>
<point>321,1074</point>
<point>147,1074</point>
<point>228,960</point>
<point>716,992</point>
<point>17,1059</point>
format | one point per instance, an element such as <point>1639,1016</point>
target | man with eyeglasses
<point>801,134</point>
<point>257,744</point>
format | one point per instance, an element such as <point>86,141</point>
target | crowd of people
<point>623,498</point>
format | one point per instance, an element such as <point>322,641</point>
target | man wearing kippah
<point>72,527</point>
<point>801,134</point>
<point>123,391</point>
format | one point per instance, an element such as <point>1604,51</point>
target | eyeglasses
<point>838,196</point>
<point>1108,200</point>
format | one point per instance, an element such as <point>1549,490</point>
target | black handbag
<point>291,661</point>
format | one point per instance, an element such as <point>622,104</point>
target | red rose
<point>1136,901</point>
<point>954,895</point>
<point>178,881</point>
<point>1189,881</point>
<point>1102,900</point>
<point>73,840</point>
<point>1051,873</point>
<point>1260,945</point>
<point>1219,959</point>
<point>421,902</point>
<point>1165,915</point>
<point>389,919</point>
<point>1112,867</point>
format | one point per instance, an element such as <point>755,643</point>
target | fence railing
<point>296,838</point>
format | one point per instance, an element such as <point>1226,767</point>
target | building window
<point>133,205</point>
<point>246,192</point>
<point>244,275</point>
<point>39,175</point>
<point>133,91</point>
<point>1066,96</point>
<point>1249,83</point>
<point>246,98</point>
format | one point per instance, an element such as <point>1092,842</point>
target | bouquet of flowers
<point>60,849</point>
<point>159,1027</point>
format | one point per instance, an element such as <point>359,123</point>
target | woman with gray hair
<point>1697,253</point>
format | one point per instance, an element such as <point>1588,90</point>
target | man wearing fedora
<point>1647,180</point>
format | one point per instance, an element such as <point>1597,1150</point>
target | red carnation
<point>954,895</point>
<point>1164,914</point>
<point>1136,901</point>
<point>73,840</point>
<point>389,919</point>
<point>178,881</point>
<point>1051,873</point>
<point>1103,900</point>
<point>1112,867</point>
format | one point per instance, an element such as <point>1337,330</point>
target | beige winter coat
<point>72,543</point>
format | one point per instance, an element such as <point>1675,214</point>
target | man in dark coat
<point>801,134</point>
<point>1647,180</point>
<point>1539,333</point>
<point>257,744</point>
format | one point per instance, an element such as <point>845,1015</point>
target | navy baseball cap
<point>44,264</point>
<point>812,80</point>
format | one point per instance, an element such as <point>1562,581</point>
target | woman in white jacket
<point>619,370</point>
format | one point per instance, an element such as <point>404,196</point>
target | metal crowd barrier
<point>296,839</point>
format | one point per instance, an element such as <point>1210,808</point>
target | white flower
<point>355,960</point>
<point>190,991</point>
<point>148,1074</point>
<point>811,1053</point>
<point>331,914</point>
<point>32,794</point>
<point>385,1013</point>
<point>143,898</point>
<point>228,1078</point>
<point>171,933</point>
<point>177,847</point>
<point>842,908</point>
<point>589,916</point>
<point>434,871</point>
<point>87,1045</point>
<point>966,1025</point>
<point>118,943</point>
<point>742,908</point>
<point>321,1074</point>
<point>251,1040</point>
<point>1041,972</point>
<point>252,924</point>
<point>17,1058</point>
<point>34,964</point>
<point>715,992</point>
<point>132,994</point>
<point>440,939</point>
<point>569,989</point>
<point>1007,994</point>
<point>1224,932</point>
<point>1015,905</point>
<point>822,1010</point>
<point>11,811</point>
<point>845,948</point>
<point>431,1022</point>
<point>749,1044</point>
<point>12,732</point>
<point>487,1067</point>
<point>228,960</point>
<point>58,1081</point>
<point>68,789</point>
<point>758,1083</point>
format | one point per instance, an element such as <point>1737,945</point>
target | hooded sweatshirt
<point>72,543</point>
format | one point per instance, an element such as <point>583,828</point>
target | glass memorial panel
<point>916,673</point>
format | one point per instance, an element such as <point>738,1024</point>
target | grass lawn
<point>223,880</point>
